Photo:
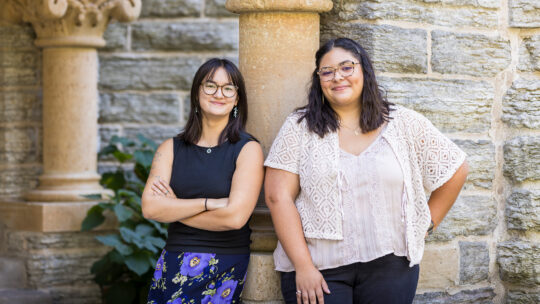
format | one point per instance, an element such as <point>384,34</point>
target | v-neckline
<point>368,147</point>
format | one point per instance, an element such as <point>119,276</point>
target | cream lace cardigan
<point>427,158</point>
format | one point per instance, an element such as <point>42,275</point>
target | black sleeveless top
<point>200,172</point>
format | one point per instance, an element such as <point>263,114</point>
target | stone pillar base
<point>262,281</point>
<point>48,217</point>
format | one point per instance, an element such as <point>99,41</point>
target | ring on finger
<point>298,292</point>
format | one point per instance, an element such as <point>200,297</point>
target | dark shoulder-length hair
<point>375,108</point>
<point>193,129</point>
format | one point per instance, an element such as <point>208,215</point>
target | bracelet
<point>205,201</point>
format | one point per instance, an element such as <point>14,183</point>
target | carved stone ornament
<point>74,22</point>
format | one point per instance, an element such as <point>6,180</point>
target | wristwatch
<point>430,228</point>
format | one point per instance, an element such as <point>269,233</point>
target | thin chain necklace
<point>356,131</point>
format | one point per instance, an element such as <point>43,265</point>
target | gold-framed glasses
<point>345,69</point>
<point>228,90</point>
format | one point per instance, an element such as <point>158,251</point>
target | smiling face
<point>342,91</point>
<point>217,104</point>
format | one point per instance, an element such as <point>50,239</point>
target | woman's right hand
<point>310,285</point>
<point>216,203</point>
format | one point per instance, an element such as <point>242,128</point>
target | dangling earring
<point>322,98</point>
<point>196,110</point>
<point>235,111</point>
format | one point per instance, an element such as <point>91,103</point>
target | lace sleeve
<point>285,151</point>
<point>438,157</point>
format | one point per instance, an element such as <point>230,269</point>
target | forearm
<point>216,220</point>
<point>442,199</point>
<point>288,227</point>
<point>167,210</point>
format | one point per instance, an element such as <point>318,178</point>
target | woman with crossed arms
<point>345,183</point>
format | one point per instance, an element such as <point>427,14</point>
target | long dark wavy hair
<point>193,129</point>
<point>375,108</point>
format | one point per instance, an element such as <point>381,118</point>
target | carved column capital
<point>74,23</point>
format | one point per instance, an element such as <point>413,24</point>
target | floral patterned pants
<point>192,277</point>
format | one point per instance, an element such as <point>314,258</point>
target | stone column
<point>278,41</point>
<point>69,33</point>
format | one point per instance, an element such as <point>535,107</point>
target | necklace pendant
<point>356,132</point>
<point>209,151</point>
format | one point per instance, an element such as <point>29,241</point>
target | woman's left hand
<point>162,188</point>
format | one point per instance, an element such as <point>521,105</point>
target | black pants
<point>386,280</point>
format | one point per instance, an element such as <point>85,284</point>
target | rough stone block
<point>262,281</point>
<point>462,13</point>
<point>20,59</point>
<point>385,45</point>
<point>143,73</point>
<point>470,215</point>
<point>22,241</point>
<point>156,133</point>
<point>529,54</point>
<point>14,76</point>
<point>15,181</point>
<point>524,13</point>
<point>522,297</point>
<point>171,8</point>
<point>474,262</point>
<point>439,268</point>
<point>18,145</point>
<point>521,104</point>
<point>12,273</point>
<point>17,37</point>
<point>116,36</point>
<point>518,262</point>
<point>186,107</point>
<point>481,160</point>
<point>216,8</point>
<point>62,267</point>
<point>469,54</point>
<point>139,108</point>
<point>523,210</point>
<point>522,158</point>
<point>185,36</point>
<point>451,105</point>
<point>24,296</point>
<point>16,106</point>
<point>84,293</point>
<point>475,296</point>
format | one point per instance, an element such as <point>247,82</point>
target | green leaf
<point>138,262</point>
<point>122,213</point>
<point>158,242</point>
<point>121,293</point>
<point>122,156</point>
<point>114,241</point>
<point>144,157</point>
<point>109,149</point>
<point>131,237</point>
<point>160,227</point>
<point>94,217</point>
<point>147,142</point>
<point>113,180</point>
<point>141,172</point>
<point>144,230</point>
<point>105,206</point>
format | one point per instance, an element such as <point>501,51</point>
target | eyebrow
<point>208,80</point>
<point>348,60</point>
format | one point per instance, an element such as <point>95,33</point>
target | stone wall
<point>473,68</point>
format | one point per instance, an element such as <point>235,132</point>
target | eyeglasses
<point>228,90</point>
<point>346,69</point>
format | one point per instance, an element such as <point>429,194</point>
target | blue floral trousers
<point>193,278</point>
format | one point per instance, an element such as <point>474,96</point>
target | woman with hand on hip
<point>206,182</point>
<point>345,184</point>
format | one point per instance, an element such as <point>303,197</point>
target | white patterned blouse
<point>426,157</point>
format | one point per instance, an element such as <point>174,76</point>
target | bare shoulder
<point>165,149</point>
<point>251,152</point>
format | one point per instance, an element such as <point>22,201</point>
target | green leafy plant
<point>125,272</point>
